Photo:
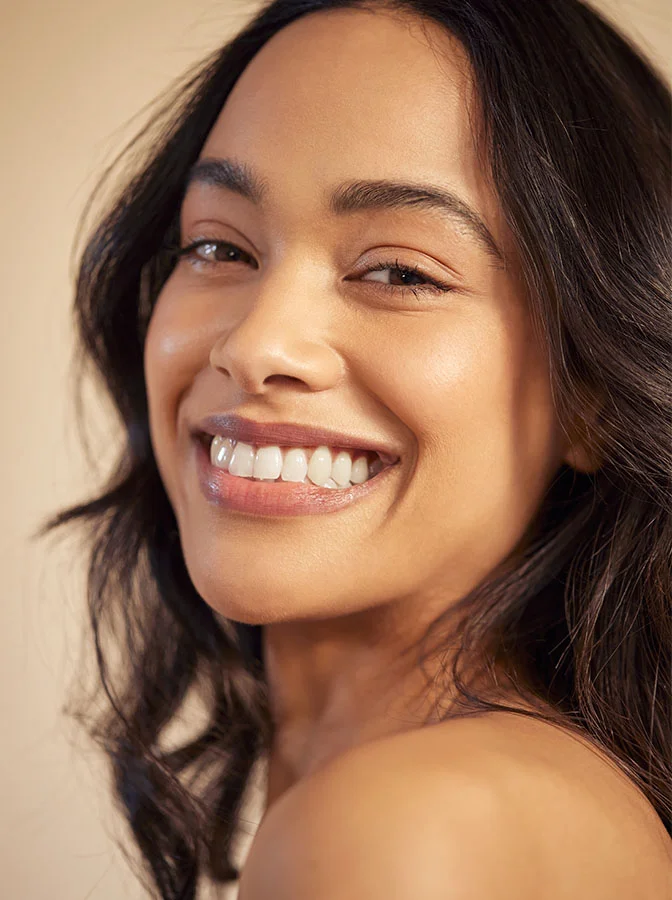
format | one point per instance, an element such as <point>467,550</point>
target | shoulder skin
<point>497,807</point>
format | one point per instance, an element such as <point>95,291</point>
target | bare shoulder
<point>497,806</point>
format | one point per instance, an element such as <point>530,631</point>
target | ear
<point>582,451</point>
<point>582,458</point>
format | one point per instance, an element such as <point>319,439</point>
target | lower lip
<point>276,498</point>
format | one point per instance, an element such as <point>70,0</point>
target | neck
<point>336,684</point>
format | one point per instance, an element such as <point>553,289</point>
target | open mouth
<point>333,468</point>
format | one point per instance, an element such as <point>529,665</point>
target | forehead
<point>356,94</point>
<point>353,92</point>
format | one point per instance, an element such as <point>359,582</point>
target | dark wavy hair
<point>576,127</point>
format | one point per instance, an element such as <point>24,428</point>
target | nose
<point>282,338</point>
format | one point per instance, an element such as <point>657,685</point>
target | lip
<point>281,498</point>
<point>289,435</point>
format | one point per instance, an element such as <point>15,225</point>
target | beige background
<point>73,73</point>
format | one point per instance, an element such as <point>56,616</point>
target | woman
<point>410,263</point>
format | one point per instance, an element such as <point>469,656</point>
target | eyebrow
<point>353,196</point>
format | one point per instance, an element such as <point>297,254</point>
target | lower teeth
<point>333,486</point>
<point>374,469</point>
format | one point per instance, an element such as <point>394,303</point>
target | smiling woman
<point>385,315</point>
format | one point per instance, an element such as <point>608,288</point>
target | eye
<point>207,252</point>
<point>408,277</point>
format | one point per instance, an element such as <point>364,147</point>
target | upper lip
<point>289,435</point>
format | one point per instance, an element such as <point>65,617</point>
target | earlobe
<point>582,452</point>
<point>583,459</point>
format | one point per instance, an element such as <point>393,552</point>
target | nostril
<point>283,379</point>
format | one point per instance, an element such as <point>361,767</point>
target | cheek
<point>176,350</point>
<point>447,375</point>
<point>475,394</point>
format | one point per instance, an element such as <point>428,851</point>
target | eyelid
<point>414,268</point>
<point>209,230</point>
<point>184,249</point>
<point>411,257</point>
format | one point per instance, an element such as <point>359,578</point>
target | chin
<point>254,605</point>
<point>250,603</point>
<point>250,616</point>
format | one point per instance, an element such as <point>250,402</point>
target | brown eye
<point>208,252</point>
<point>407,278</point>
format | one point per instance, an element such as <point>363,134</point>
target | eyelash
<point>433,286</point>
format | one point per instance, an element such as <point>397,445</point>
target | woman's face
<point>299,329</point>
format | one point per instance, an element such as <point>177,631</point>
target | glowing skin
<point>455,381</point>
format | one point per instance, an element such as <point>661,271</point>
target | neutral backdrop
<point>73,75</point>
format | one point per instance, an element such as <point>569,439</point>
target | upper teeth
<point>318,465</point>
